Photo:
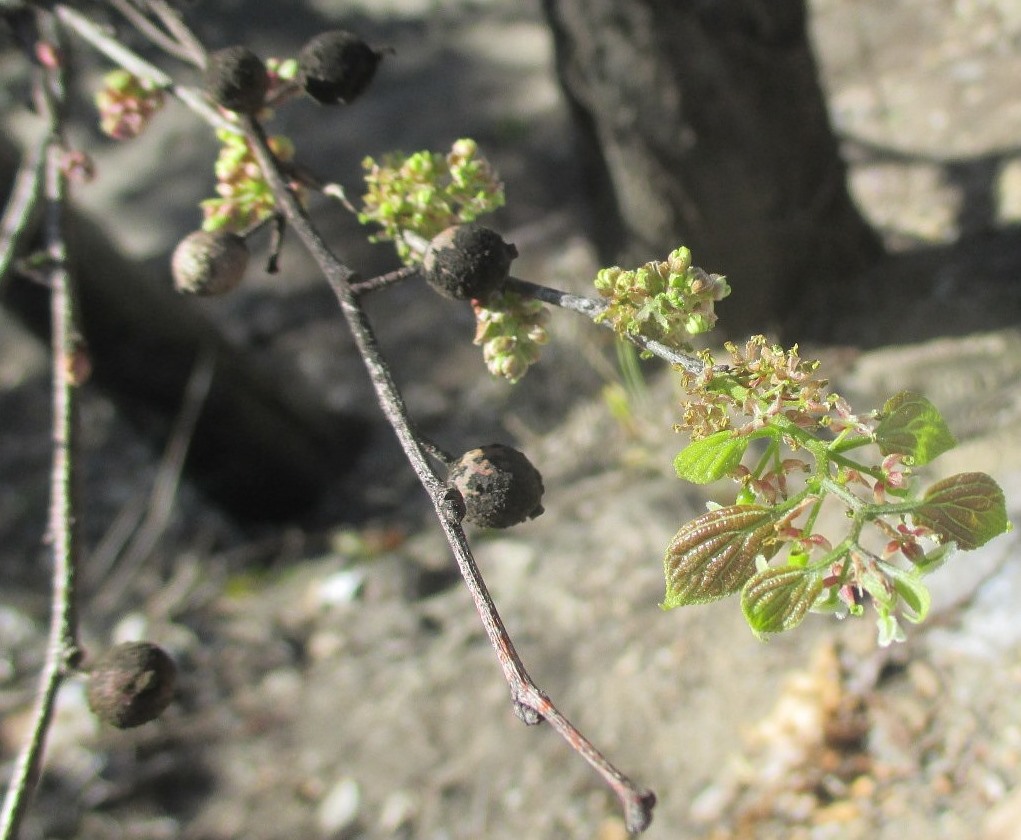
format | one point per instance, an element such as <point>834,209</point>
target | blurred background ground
<point>335,680</point>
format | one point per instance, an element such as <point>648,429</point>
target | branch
<point>171,19</point>
<point>167,43</point>
<point>530,703</point>
<point>62,650</point>
<point>22,202</point>
<point>134,63</point>
<point>590,308</point>
<point>163,494</point>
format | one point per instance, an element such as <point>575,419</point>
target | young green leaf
<point>914,593</point>
<point>967,508</point>
<point>935,558</point>
<point>714,554</point>
<point>889,629</point>
<point>913,426</point>
<point>711,458</point>
<point>776,599</point>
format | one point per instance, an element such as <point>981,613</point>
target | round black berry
<point>209,264</point>
<point>499,485</point>
<point>236,78</point>
<point>131,684</point>
<point>468,262</point>
<point>336,66</point>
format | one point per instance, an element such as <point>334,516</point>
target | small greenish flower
<point>126,104</point>
<point>669,301</point>
<point>281,69</point>
<point>245,197</point>
<point>427,192</point>
<point>511,330</point>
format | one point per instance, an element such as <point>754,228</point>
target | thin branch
<point>62,650</point>
<point>21,204</point>
<point>150,30</point>
<point>171,19</point>
<point>590,308</point>
<point>374,284</point>
<point>530,703</point>
<point>134,63</point>
<point>165,487</point>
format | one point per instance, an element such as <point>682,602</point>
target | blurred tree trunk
<point>702,122</point>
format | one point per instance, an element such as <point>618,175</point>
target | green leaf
<point>936,558</point>
<point>967,508</point>
<point>714,554</point>
<point>889,629</point>
<point>914,593</point>
<point>711,458</point>
<point>913,426</point>
<point>777,599</point>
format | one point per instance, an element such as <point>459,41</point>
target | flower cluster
<point>126,104</point>
<point>763,381</point>
<point>282,73</point>
<point>511,329</point>
<point>426,192</point>
<point>245,196</point>
<point>669,301</point>
<point>771,405</point>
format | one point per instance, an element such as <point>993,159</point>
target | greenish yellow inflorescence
<point>761,381</point>
<point>126,104</point>
<point>245,197</point>
<point>669,301</point>
<point>427,192</point>
<point>511,329</point>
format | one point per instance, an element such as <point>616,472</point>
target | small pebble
<point>338,810</point>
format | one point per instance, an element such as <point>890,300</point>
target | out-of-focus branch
<point>24,197</point>
<point>134,63</point>
<point>163,40</point>
<point>62,652</point>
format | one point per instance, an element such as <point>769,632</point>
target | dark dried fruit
<point>237,79</point>
<point>336,66</point>
<point>468,262</point>
<point>209,264</point>
<point>131,684</point>
<point>499,485</point>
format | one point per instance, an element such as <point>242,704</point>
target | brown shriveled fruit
<point>131,684</point>
<point>468,262</point>
<point>499,485</point>
<point>209,264</point>
<point>336,66</point>
<point>236,79</point>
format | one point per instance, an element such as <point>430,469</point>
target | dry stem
<point>62,651</point>
<point>531,704</point>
